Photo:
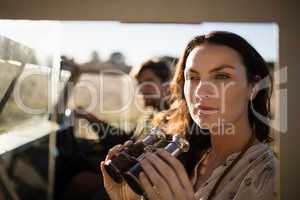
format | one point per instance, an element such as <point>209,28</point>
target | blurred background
<point>103,45</point>
<point>29,52</point>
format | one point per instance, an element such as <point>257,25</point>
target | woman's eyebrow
<point>221,67</point>
<point>192,71</point>
<point>213,70</point>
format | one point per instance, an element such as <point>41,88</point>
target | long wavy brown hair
<point>177,118</point>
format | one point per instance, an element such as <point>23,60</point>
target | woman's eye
<point>192,78</point>
<point>222,76</point>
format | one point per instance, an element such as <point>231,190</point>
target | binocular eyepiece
<point>126,166</point>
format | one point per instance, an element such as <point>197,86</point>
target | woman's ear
<point>253,93</point>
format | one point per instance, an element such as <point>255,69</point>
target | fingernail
<point>142,175</point>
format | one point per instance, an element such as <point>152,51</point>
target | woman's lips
<point>206,110</point>
<point>206,107</point>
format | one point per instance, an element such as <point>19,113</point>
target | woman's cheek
<point>233,104</point>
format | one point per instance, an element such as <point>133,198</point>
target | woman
<point>215,103</point>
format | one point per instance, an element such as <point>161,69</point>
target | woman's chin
<point>205,124</point>
<point>216,126</point>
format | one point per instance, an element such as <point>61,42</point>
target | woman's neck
<point>222,145</point>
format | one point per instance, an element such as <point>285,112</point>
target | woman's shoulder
<point>260,181</point>
<point>263,157</point>
<point>264,162</point>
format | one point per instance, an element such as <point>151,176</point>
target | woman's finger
<point>147,186</point>
<point>169,175</point>
<point>178,168</point>
<point>104,172</point>
<point>114,151</point>
<point>128,143</point>
<point>160,186</point>
<point>117,149</point>
<point>108,181</point>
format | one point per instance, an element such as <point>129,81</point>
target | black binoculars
<point>126,166</point>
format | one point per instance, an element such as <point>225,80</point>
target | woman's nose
<point>204,89</point>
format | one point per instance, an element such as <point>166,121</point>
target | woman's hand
<point>117,191</point>
<point>164,177</point>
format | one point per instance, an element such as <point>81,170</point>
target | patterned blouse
<point>252,177</point>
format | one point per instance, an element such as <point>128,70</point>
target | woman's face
<point>216,87</point>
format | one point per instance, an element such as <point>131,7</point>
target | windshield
<point>24,88</point>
